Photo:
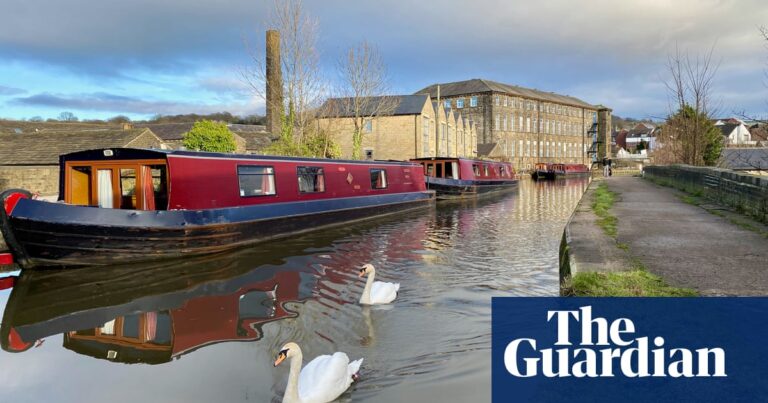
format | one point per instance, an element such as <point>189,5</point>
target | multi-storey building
<point>525,126</point>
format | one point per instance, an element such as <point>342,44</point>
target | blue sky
<point>143,57</point>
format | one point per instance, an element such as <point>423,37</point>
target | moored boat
<point>552,170</point>
<point>130,204</point>
<point>542,170</point>
<point>456,178</point>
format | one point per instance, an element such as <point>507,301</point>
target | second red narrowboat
<point>123,204</point>
<point>455,178</point>
<point>552,171</point>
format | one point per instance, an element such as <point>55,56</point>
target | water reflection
<point>431,344</point>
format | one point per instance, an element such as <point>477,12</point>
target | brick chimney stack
<point>274,83</point>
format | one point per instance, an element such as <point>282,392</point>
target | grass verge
<point>635,283</point>
<point>601,205</point>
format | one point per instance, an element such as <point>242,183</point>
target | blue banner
<point>630,350</point>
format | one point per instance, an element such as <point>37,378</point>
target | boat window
<point>439,172</point>
<point>159,187</point>
<point>311,179</point>
<point>476,169</point>
<point>431,170</point>
<point>455,166</point>
<point>503,170</point>
<point>449,170</point>
<point>128,188</point>
<point>256,180</point>
<point>485,169</point>
<point>378,179</point>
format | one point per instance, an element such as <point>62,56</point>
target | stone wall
<point>42,179</point>
<point>747,194</point>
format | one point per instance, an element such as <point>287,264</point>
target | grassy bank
<point>601,205</point>
<point>635,283</point>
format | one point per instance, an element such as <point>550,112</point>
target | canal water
<point>208,329</point>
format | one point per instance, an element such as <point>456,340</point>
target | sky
<point>140,58</point>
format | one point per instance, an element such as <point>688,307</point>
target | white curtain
<point>108,328</point>
<point>105,188</point>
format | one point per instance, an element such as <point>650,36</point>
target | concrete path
<point>687,245</point>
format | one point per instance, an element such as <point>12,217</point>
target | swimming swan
<point>322,380</point>
<point>377,292</point>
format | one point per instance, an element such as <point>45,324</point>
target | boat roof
<point>136,153</point>
<point>458,158</point>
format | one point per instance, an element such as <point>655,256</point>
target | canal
<point>208,329</point>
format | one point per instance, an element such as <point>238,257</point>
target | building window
<point>311,179</point>
<point>504,123</point>
<point>447,104</point>
<point>473,102</point>
<point>512,149</point>
<point>460,103</point>
<point>520,123</point>
<point>369,153</point>
<point>520,148</point>
<point>535,148</point>
<point>256,180</point>
<point>496,123</point>
<point>528,124</point>
<point>527,148</point>
<point>497,100</point>
<point>506,101</point>
<point>368,125</point>
<point>378,178</point>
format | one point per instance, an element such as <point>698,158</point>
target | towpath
<point>688,245</point>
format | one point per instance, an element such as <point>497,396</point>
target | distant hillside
<point>14,126</point>
<point>628,123</point>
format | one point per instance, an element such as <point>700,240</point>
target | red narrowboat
<point>456,178</point>
<point>551,171</point>
<point>130,204</point>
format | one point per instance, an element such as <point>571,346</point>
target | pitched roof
<point>485,149</point>
<point>401,105</point>
<point>744,158</point>
<point>168,131</point>
<point>44,148</point>
<point>478,85</point>
<point>239,128</point>
<point>728,128</point>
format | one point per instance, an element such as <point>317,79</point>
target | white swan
<point>377,292</point>
<point>322,380</point>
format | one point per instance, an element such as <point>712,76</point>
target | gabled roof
<point>487,149</point>
<point>169,131</point>
<point>744,158</point>
<point>478,85</point>
<point>44,148</point>
<point>400,105</point>
<point>728,128</point>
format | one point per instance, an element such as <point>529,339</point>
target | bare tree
<point>362,91</point>
<point>303,86</point>
<point>688,136</point>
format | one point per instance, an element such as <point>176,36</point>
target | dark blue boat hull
<point>449,189</point>
<point>65,235</point>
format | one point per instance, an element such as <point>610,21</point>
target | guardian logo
<point>630,349</point>
<point>604,347</point>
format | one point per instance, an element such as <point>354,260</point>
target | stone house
<point>415,128</point>
<point>31,160</point>
<point>529,125</point>
<point>173,134</point>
